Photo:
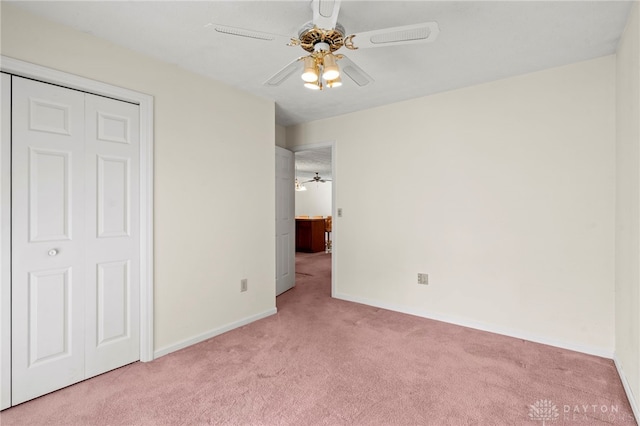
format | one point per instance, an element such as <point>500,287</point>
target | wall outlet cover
<point>423,279</point>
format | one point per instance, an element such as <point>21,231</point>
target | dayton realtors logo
<point>543,410</point>
<point>590,412</point>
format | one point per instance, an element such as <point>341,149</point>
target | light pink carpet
<point>325,361</point>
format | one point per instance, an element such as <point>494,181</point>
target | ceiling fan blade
<point>407,34</point>
<point>283,74</point>
<point>243,32</point>
<point>354,72</point>
<point>325,13</point>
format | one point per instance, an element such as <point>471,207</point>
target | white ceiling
<point>310,162</point>
<point>478,42</point>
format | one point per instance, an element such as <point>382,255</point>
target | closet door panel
<point>113,235</point>
<point>47,238</point>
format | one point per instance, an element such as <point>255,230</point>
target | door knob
<point>53,252</point>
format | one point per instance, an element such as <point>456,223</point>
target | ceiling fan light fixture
<point>310,72</point>
<point>330,67</point>
<point>313,86</point>
<point>300,186</point>
<point>334,83</point>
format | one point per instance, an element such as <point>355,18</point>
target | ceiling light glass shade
<point>310,73</point>
<point>335,83</point>
<point>312,86</point>
<point>331,71</point>
<point>299,186</point>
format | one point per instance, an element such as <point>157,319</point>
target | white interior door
<point>112,235</point>
<point>74,237</point>
<point>285,221</point>
<point>47,230</point>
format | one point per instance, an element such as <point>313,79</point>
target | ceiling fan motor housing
<point>310,35</point>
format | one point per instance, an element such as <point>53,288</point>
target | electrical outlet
<point>423,279</point>
<point>339,212</point>
<point>243,284</point>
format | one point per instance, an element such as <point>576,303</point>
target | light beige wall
<point>628,206</point>
<point>281,136</point>
<point>315,201</point>
<point>214,211</point>
<point>503,193</point>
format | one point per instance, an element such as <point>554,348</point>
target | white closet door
<point>47,238</point>
<point>75,237</point>
<point>112,251</point>
<point>285,221</point>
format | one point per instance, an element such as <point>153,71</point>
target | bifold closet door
<point>112,255</point>
<point>74,237</point>
<point>48,238</point>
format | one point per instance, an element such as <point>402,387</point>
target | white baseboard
<point>627,389</point>
<point>212,333</point>
<point>464,322</point>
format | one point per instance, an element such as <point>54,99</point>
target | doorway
<point>315,195</point>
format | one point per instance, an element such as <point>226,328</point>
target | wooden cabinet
<point>310,235</point>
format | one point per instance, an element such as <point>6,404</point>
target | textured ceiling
<point>310,162</point>
<point>478,42</point>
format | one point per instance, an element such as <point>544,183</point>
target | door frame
<point>334,224</point>
<point>145,102</point>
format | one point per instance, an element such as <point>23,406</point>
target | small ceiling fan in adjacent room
<point>323,36</point>
<point>317,178</point>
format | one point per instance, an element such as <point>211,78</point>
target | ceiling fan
<point>317,178</point>
<point>323,36</point>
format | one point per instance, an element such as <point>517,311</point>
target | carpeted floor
<point>326,361</point>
